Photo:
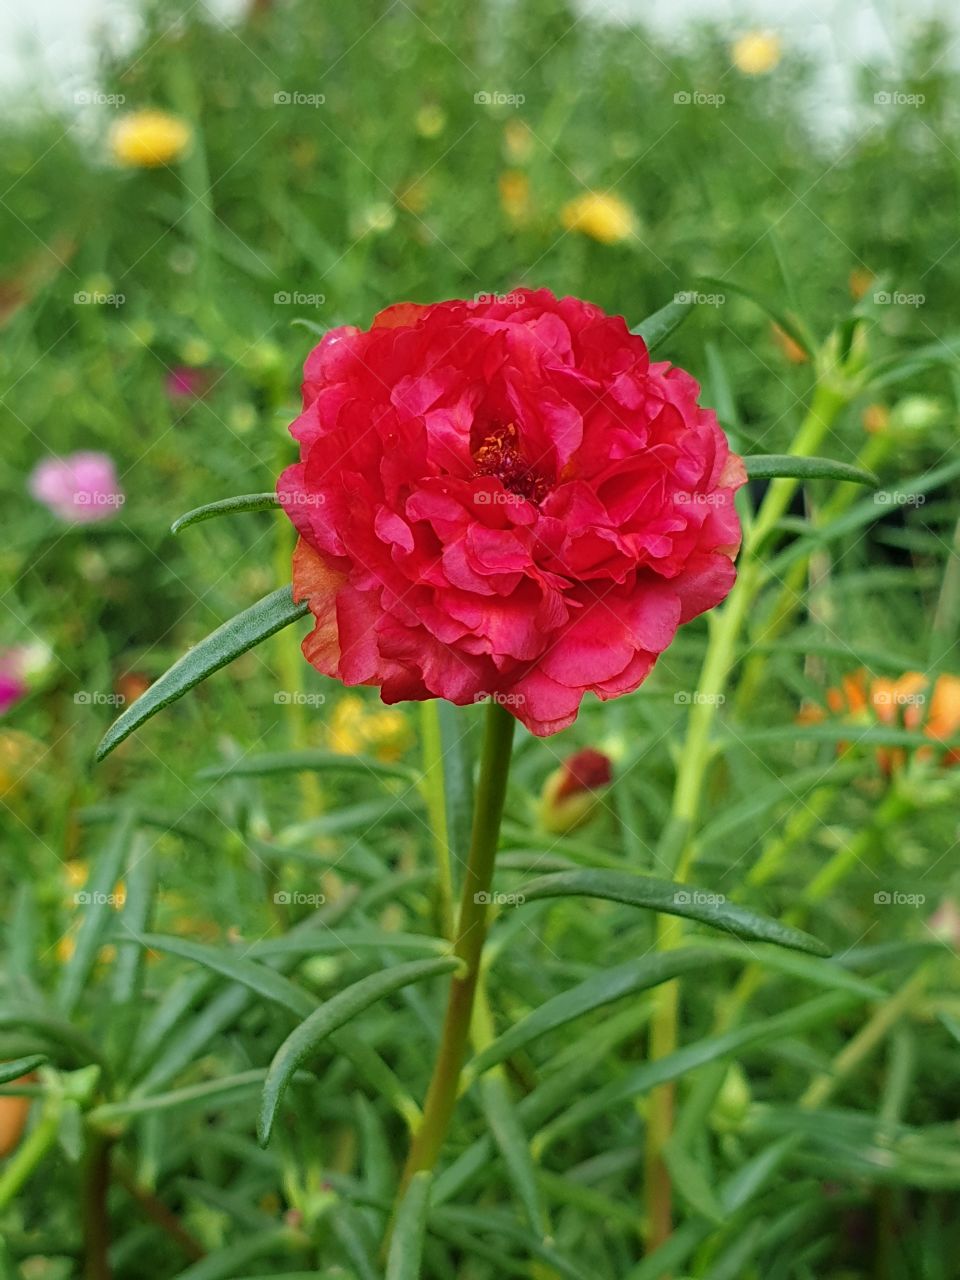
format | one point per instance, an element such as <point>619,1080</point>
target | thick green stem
<point>678,847</point>
<point>468,946</point>
<point>96,1222</point>
<point>433,788</point>
<point>791,593</point>
<point>31,1152</point>
<point>884,1019</point>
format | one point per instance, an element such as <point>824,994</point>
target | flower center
<point>498,454</point>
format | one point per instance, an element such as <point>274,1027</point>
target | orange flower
<point>515,195</point>
<point>791,349</point>
<point>905,702</point>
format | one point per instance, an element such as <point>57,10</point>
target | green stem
<point>31,1152</point>
<point>96,1222</point>
<point>791,592</point>
<point>678,848</point>
<point>468,945</point>
<point>433,789</point>
<point>870,1035</point>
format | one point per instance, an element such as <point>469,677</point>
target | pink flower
<point>12,689</point>
<point>80,488</point>
<point>504,499</point>
<point>186,383</point>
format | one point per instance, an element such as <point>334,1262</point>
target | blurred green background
<point>337,159</point>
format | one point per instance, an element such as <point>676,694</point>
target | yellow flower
<point>354,730</point>
<point>756,53</point>
<point>148,139</point>
<point>515,195</point>
<point>603,217</point>
<point>19,753</point>
<point>431,121</point>
<point>861,280</point>
<point>517,141</point>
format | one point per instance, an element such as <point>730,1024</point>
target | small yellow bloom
<point>603,217</point>
<point>19,753</point>
<point>517,142</point>
<point>148,139</point>
<point>791,349</point>
<point>756,53</point>
<point>861,280</point>
<point>515,195</point>
<point>431,121</point>
<point>875,418</point>
<point>354,730</point>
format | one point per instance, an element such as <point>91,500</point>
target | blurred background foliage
<point>443,160</point>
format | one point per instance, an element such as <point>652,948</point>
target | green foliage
<point>243,899</point>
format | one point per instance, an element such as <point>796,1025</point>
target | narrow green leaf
<point>97,903</point>
<point>305,1040</point>
<point>265,982</point>
<point>211,1093</point>
<point>68,1044</point>
<point>226,507</point>
<point>406,1243</point>
<point>139,880</point>
<point>690,1180</point>
<point>311,326</point>
<point>514,1146</point>
<point>230,1262</point>
<point>786,320</point>
<point>310,760</point>
<point>18,1067</point>
<point>319,942</point>
<point>840,730</point>
<point>249,628</point>
<point>599,990</point>
<point>814,969</point>
<point>674,899</point>
<point>658,327</point>
<point>764,466</point>
<point>641,1079</point>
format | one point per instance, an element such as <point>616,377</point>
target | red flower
<point>504,499</point>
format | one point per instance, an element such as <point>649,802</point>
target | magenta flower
<point>79,488</point>
<point>185,383</point>
<point>12,690</point>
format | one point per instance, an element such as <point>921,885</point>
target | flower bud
<point>570,794</point>
<point>13,1118</point>
<point>914,415</point>
<point>733,1101</point>
<point>945,922</point>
